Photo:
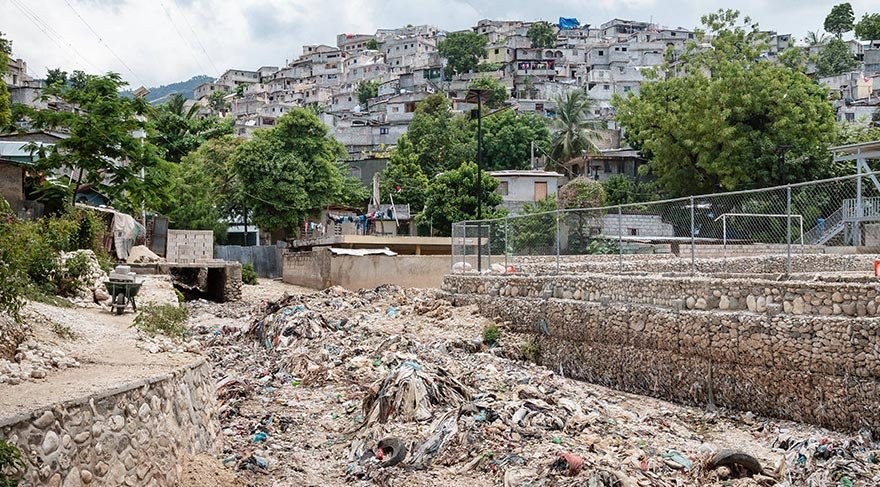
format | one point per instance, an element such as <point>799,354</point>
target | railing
<point>825,231</point>
<point>870,208</point>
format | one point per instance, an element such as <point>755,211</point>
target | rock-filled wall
<point>135,435</point>
<point>813,368</point>
<point>729,293</point>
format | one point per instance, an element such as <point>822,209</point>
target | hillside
<point>185,88</point>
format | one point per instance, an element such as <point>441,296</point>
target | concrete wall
<point>819,369</point>
<point>642,225</point>
<point>188,246</point>
<point>134,435</point>
<point>12,183</point>
<point>320,269</point>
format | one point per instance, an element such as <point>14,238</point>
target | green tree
<point>507,139</point>
<point>290,171</point>
<point>581,192</point>
<point>462,50</point>
<point>794,58</point>
<point>868,29</point>
<point>573,132</point>
<point>179,130</point>
<point>451,198</point>
<point>403,178</point>
<point>440,139</point>
<point>835,58</point>
<point>621,190</point>
<point>367,90</point>
<point>720,123</point>
<point>534,231</point>
<point>840,19</point>
<point>498,92</point>
<point>217,102</point>
<point>542,35</point>
<point>815,38</point>
<point>103,143</point>
<point>372,45</point>
<point>5,111</point>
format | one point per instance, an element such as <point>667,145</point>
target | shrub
<point>12,464</point>
<point>166,319</point>
<point>248,274</point>
<point>70,277</point>
<point>491,335</point>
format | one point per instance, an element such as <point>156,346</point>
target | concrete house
<point>518,187</point>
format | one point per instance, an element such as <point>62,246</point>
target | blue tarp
<point>568,23</point>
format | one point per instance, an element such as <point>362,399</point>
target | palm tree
<point>573,133</point>
<point>176,105</point>
<point>815,38</point>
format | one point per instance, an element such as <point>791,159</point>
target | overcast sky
<point>155,42</point>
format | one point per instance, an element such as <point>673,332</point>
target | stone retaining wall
<point>773,297</point>
<point>134,435</point>
<point>817,369</point>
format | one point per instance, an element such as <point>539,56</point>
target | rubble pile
<point>393,386</point>
<point>92,289</point>
<point>33,361</point>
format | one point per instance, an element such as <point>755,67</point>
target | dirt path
<point>103,343</point>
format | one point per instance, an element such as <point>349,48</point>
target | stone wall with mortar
<point>813,368</point>
<point>740,293</point>
<point>134,435</point>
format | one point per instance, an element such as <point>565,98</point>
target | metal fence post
<point>788,229</point>
<point>557,241</point>
<point>619,240</point>
<point>506,245</point>
<point>693,239</point>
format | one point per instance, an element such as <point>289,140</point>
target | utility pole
<point>532,159</point>
<point>478,93</point>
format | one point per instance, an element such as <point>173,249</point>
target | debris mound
<point>409,392</point>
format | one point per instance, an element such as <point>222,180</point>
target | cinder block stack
<point>190,246</point>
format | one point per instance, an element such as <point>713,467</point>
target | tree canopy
<point>868,29</point>
<point>104,147</point>
<point>462,50</point>
<point>440,139</point>
<point>291,170</point>
<point>723,122</point>
<point>840,19</point>
<point>542,35</point>
<point>498,92</point>
<point>366,90</point>
<point>452,198</point>
<point>180,130</point>
<point>573,132</point>
<point>835,58</point>
<point>5,111</point>
<point>507,138</point>
<point>403,178</point>
<point>581,192</point>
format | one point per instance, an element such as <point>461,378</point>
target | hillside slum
<point>396,387</point>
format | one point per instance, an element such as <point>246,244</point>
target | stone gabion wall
<point>135,435</point>
<point>681,292</point>
<point>657,263</point>
<point>818,369</point>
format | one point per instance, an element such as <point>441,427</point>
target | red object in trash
<point>877,268</point>
<point>511,269</point>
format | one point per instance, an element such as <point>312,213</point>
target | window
<point>601,53</point>
<point>383,130</point>
<point>502,188</point>
<point>540,190</point>
<point>496,51</point>
<point>850,117</point>
<point>626,89</point>
<point>595,231</point>
<point>606,87</point>
<point>632,232</point>
<point>409,107</point>
<point>623,49</point>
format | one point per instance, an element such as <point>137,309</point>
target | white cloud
<point>253,33</point>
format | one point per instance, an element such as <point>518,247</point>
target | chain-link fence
<point>785,220</point>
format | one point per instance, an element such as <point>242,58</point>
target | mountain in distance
<point>159,94</point>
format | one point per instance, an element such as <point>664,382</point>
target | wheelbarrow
<point>122,293</point>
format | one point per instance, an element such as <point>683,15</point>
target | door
<point>160,235</point>
<point>540,190</point>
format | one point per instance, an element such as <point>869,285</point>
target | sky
<point>155,42</point>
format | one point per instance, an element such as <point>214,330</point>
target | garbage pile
<point>393,386</point>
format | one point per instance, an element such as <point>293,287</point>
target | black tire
<point>733,459</point>
<point>120,303</point>
<point>393,451</point>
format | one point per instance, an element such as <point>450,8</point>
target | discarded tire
<point>393,451</point>
<point>737,461</point>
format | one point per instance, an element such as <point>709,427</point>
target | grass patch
<point>166,319</point>
<point>491,335</point>
<point>531,350</point>
<point>12,464</point>
<point>63,331</point>
<point>248,274</point>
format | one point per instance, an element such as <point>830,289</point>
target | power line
<point>51,33</point>
<point>100,40</point>
<point>174,25</point>
<point>198,40</point>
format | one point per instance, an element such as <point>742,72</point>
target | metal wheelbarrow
<point>122,293</point>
